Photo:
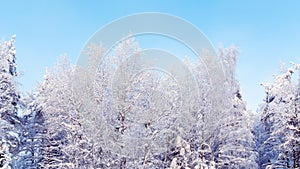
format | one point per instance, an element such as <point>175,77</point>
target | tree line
<point>94,124</point>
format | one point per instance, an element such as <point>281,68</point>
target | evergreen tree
<point>235,143</point>
<point>65,144</point>
<point>10,123</point>
<point>278,130</point>
<point>33,135</point>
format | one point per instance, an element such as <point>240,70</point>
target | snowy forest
<point>55,127</point>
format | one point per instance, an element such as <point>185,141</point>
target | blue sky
<point>266,33</point>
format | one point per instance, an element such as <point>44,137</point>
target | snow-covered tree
<point>200,137</point>
<point>65,144</point>
<point>234,140</point>
<point>113,113</point>
<point>5,156</point>
<point>278,138</point>
<point>236,143</point>
<point>32,137</point>
<point>294,140</point>
<point>10,123</point>
<point>142,113</point>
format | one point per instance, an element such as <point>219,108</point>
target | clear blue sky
<point>266,33</point>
